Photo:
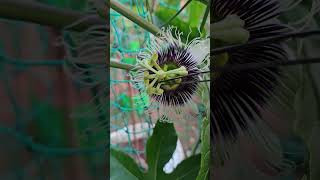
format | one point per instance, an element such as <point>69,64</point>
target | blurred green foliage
<point>164,14</point>
<point>49,124</point>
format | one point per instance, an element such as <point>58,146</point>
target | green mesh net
<point>130,124</point>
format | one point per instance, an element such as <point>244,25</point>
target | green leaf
<point>205,150</point>
<point>174,3</point>
<point>164,14</point>
<point>203,1</point>
<point>187,169</point>
<point>123,166</point>
<point>196,11</point>
<point>160,147</point>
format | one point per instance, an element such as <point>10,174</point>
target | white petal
<point>201,50</point>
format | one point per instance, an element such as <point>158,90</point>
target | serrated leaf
<point>160,147</point>
<point>187,169</point>
<point>205,150</point>
<point>123,166</point>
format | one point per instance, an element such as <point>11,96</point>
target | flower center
<point>155,75</point>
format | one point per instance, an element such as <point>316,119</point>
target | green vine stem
<point>46,15</point>
<point>134,17</point>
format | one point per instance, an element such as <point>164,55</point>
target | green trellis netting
<point>128,117</point>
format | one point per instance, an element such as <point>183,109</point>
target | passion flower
<point>167,64</point>
<point>237,96</point>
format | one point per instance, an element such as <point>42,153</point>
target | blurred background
<point>42,134</point>
<point>56,112</point>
